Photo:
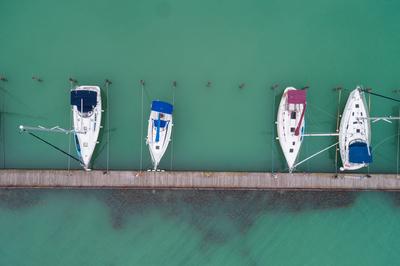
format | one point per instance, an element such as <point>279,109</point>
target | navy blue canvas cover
<point>359,152</point>
<point>87,97</point>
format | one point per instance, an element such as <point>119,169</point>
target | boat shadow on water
<point>218,215</point>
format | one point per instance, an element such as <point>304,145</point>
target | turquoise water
<point>321,44</point>
<point>115,227</point>
<point>318,43</point>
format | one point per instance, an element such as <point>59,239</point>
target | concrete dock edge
<point>13,178</point>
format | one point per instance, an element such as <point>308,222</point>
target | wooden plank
<point>195,180</point>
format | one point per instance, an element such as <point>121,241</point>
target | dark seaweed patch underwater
<point>238,209</point>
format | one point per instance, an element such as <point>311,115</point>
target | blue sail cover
<point>162,107</point>
<point>87,97</point>
<point>160,123</point>
<point>359,152</point>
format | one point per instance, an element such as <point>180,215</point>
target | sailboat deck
<point>195,180</point>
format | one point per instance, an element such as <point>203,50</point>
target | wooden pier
<point>195,180</point>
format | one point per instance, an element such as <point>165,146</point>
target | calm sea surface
<point>321,44</point>
<point>126,227</point>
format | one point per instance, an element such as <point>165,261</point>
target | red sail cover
<point>297,96</point>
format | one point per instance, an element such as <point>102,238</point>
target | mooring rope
<point>369,110</point>
<point>337,128</point>
<point>3,136</point>
<point>369,103</point>
<point>174,84</point>
<point>70,136</point>
<point>398,143</point>
<point>273,128</point>
<point>311,106</point>
<point>142,128</point>
<point>108,125</point>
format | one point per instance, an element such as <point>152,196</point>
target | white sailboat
<point>86,109</point>
<point>159,130</point>
<point>290,123</point>
<point>355,133</point>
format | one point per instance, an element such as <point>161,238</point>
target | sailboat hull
<point>354,129</point>
<point>159,131</point>
<point>87,124</point>
<point>288,120</point>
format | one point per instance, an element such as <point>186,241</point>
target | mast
<point>27,129</point>
<point>379,118</point>
<point>56,129</point>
